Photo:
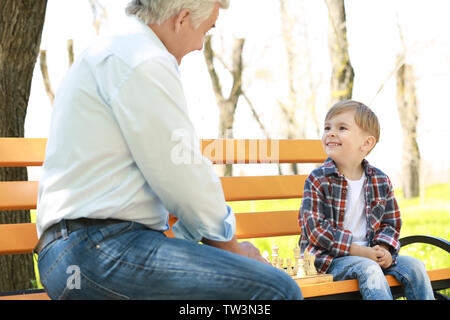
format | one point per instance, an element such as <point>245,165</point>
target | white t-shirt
<point>355,218</point>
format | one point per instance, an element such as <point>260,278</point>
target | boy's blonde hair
<point>365,118</point>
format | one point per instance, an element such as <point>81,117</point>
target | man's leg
<point>128,261</point>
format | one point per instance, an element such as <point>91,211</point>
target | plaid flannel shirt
<point>323,207</point>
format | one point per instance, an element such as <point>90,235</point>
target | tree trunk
<point>21,23</point>
<point>342,71</point>
<point>227,106</point>
<point>408,113</point>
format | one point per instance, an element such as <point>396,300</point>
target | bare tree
<point>299,110</point>
<point>99,14</point>
<point>45,76</point>
<point>409,115</point>
<point>21,23</point>
<point>408,112</point>
<point>407,108</point>
<point>227,105</point>
<point>342,71</point>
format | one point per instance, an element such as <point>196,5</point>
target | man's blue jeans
<point>129,261</point>
<point>373,285</point>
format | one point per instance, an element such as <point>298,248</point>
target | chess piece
<point>280,263</point>
<point>296,257</point>
<point>296,253</point>
<point>309,258</point>
<point>300,264</point>
<point>275,255</point>
<point>289,269</point>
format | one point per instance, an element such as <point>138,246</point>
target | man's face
<point>342,139</point>
<point>194,37</point>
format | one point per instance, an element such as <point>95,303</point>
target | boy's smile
<point>343,140</point>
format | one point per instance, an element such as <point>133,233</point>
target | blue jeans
<point>129,261</point>
<point>372,283</point>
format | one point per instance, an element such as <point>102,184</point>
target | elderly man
<point>109,178</point>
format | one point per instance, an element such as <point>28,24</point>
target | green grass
<point>426,215</point>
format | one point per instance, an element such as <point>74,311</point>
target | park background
<point>374,43</point>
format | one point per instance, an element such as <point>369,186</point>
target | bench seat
<point>21,238</point>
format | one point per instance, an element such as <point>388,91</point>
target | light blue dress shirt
<point>122,146</point>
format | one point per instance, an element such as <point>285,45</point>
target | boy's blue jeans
<point>129,261</point>
<point>373,285</point>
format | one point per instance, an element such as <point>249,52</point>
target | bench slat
<point>22,152</point>
<point>27,296</point>
<point>263,187</point>
<point>340,287</point>
<point>22,195</point>
<point>267,224</point>
<point>25,152</point>
<point>18,195</point>
<point>261,224</point>
<point>260,151</point>
<point>22,237</point>
<point>308,291</point>
<point>17,238</point>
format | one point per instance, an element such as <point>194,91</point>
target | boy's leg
<point>129,261</point>
<point>371,280</point>
<point>412,274</point>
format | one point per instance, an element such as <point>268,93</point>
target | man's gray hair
<point>158,11</point>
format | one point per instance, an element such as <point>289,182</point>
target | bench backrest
<point>22,195</point>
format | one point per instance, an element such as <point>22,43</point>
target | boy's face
<point>342,140</point>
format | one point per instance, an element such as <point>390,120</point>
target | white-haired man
<point>109,177</point>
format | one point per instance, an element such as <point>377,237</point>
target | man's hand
<point>249,250</point>
<point>244,248</point>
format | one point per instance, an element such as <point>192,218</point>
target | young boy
<point>349,216</point>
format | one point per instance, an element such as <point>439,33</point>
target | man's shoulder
<point>133,50</point>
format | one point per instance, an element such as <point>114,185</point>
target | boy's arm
<point>315,221</point>
<point>388,234</point>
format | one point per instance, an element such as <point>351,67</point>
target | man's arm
<point>151,112</point>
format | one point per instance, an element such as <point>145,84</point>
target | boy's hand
<point>384,257</point>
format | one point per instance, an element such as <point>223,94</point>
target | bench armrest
<point>435,241</point>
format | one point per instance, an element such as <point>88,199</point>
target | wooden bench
<point>22,195</point>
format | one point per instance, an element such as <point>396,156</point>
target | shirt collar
<point>136,26</point>
<point>330,167</point>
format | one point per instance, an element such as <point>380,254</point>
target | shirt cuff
<point>224,232</point>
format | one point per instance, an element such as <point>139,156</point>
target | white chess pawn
<point>296,253</point>
<point>300,268</point>
<point>296,257</point>
<point>289,269</point>
<point>275,255</point>
<point>280,263</point>
<point>310,269</point>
